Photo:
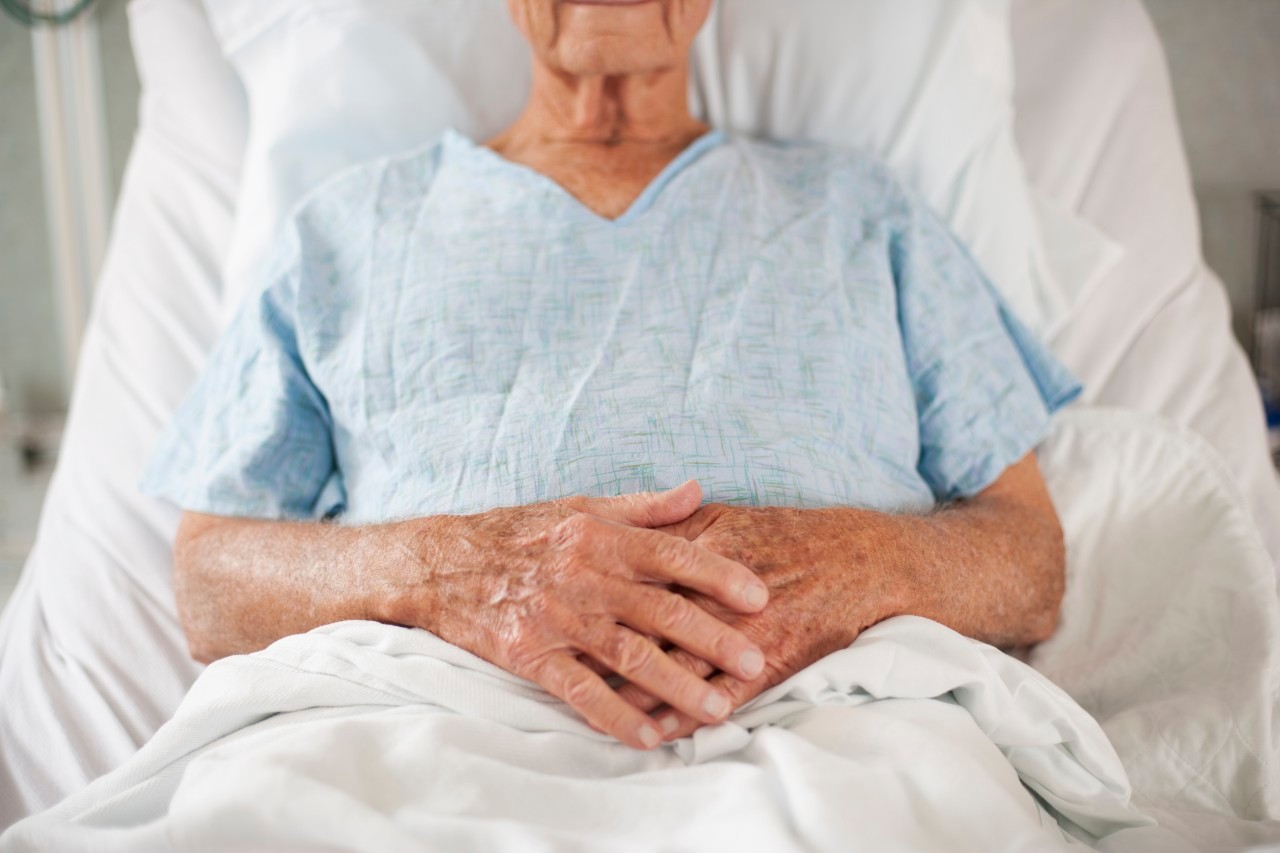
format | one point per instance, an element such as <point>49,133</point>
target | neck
<point>647,109</point>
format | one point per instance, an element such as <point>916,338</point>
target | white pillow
<point>926,86</point>
<point>1075,259</point>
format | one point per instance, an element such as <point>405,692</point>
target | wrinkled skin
<point>991,568</point>
<point>825,588</point>
<point>608,107</point>
<point>533,588</point>
<point>594,40</point>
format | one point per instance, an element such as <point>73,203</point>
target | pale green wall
<point>30,356</point>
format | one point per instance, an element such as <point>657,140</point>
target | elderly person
<point>477,376</point>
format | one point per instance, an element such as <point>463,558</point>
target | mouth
<point>608,2</point>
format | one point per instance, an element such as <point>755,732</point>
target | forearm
<point>537,590</point>
<point>241,584</point>
<point>990,569</point>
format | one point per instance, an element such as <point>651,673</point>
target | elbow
<point>191,593</point>
<point>1043,625</point>
<point>201,652</point>
<point>200,643</point>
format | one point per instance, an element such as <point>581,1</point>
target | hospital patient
<point>651,415</point>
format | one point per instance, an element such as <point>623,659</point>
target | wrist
<point>399,561</point>
<point>917,590</point>
<point>891,543</point>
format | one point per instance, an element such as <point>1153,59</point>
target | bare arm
<point>242,584</point>
<point>991,568</point>
<point>531,589</point>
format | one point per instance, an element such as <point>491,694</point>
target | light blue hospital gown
<point>447,331</point>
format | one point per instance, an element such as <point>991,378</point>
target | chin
<point>609,39</point>
<point>589,62</point>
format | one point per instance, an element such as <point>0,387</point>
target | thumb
<point>649,509</point>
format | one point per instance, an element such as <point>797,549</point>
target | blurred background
<point>35,352</point>
<point>68,109</point>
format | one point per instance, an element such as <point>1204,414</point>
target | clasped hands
<point>696,608</point>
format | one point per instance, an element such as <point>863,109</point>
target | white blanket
<point>367,737</point>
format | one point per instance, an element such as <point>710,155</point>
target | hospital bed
<point>92,658</point>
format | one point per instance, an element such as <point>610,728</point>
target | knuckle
<point>577,690</point>
<point>723,643</point>
<point>675,554</point>
<point>574,526</point>
<point>672,614</point>
<point>613,647</point>
<point>524,655</point>
<point>575,503</point>
<point>575,533</point>
<point>635,654</point>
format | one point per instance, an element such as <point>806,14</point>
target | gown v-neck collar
<point>643,202</point>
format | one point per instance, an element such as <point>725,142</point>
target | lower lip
<point>608,2</point>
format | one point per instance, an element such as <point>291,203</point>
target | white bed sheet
<point>1177,666</point>
<point>88,678</point>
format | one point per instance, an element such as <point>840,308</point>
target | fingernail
<point>751,663</point>
<point>669,724</point>
<point>649,737</point>
<point>755,596</point>
<point>716,705</point>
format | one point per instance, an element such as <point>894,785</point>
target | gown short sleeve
<point>254,438</point>
<point>985,387</point>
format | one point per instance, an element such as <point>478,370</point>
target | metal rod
<point>77,179</point>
